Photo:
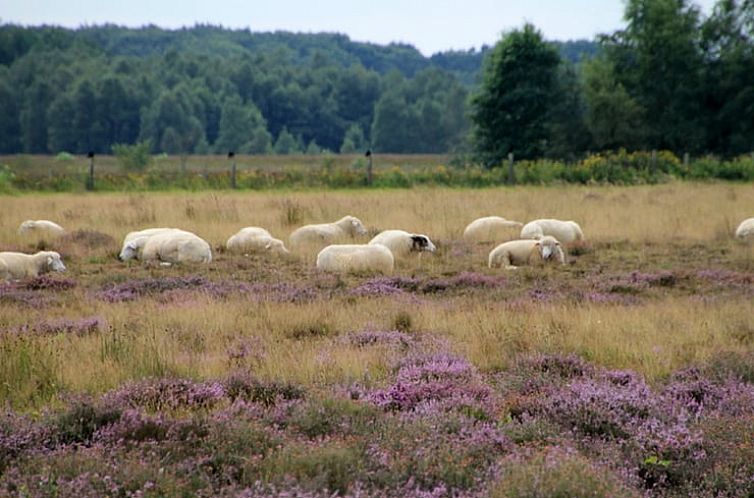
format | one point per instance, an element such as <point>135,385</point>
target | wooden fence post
<point>368,155</point>
<point>90,178</point>
<point>232,157</point>
<point>511,173</point>
<point>686,160</point>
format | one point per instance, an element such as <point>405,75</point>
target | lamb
<point>41,228</point>
<point>16,265</point>
<point>134,242</point>
<point>564,231</point>
<point>255,239</point>
<point>176,247</point>
<point>490,228</point>
<point>520,252</point>
<point>402,243</point>
<point>356,258</point>
<point>326,233</point>
<point>745,230</point>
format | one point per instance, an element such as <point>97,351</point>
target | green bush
<point>136,157</point>
<point>557,474</point>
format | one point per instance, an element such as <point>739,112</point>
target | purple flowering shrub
<point>379,337</point>
<point>436,383</point>
<point>166,394</point>
<point>68,326</point>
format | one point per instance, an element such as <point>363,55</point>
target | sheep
<point>745,230</point>
<point>402,243</point>
<point>326,233</point>
<point>520,252</point>
<point>255,239</point>
<point>133,243</point>
<point>564,231</point>
<point>41,228</point>
<point>176,247</point>
<point>356,258</point>
<point>490,228</point>
<point>16,265</point>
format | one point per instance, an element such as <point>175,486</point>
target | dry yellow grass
<point>198,337</point>
<point>691,212</point>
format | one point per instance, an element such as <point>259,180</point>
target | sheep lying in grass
<point>41,228</point>
<point>16,265</point>
<point>523,252</point>
<point>255,239</point>
<point>356,258</point>
<point>564,231</point>
<point>490,229</point>
<point>745,230</point>
<point>326,233</point>
<point>402,243</point>
<point>133,243</point>
<point>176,247</point>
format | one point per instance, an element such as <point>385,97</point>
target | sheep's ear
<point>354,223</point>
<point>49,260</point>
<point>268,245</point>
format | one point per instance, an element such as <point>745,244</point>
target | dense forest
<point>671,79</point>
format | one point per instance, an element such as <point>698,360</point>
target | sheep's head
<point>353,225</point>
<point>54,263</point>
<point>422,243</point>
<point>26,226</point>
<point>276,246</point>
<point>548,247</point>
<point>131,248</point>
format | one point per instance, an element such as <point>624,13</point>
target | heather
<point>438,427</point>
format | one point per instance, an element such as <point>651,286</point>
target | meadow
<point>627,372</point>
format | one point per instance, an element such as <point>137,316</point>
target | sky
<point>429,25</point>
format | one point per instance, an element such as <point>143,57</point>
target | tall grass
<point>678,227</point>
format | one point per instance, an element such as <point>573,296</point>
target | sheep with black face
<point>402,244</point>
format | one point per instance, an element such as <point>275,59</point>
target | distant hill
<point>298,47</point>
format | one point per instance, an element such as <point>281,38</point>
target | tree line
<point>670,79</point>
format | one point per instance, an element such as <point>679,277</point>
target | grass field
<point>627,372</point>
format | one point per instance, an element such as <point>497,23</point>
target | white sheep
<point>564,231</point>
<point>16,265</point>
<point>523,252</point>
<point>176,247</point>
<point>133,243</point>
<point>490,228</point>
<point>326,233</point>
<point>745,230</point>
<point>41,228</point>
<point>255,239</point>
<point>402,243</point>
<point>356,258</point>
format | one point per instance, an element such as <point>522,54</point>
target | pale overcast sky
<point>430,25</point>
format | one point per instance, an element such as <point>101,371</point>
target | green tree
<point>9,120</point>
<point>287,143</point>
<point>728,43</point>
<point>353,141</point>
<point>658,59</point>
<point>34,117</point>
<point>613,117</point>
<point>239,123</point>
<point>510,111</point>
<point>568,134</point>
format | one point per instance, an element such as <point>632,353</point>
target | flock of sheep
<point>540,241</point>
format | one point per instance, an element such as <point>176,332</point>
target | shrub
<point>135,157</point>
<point>557,473</point>
<point>79,422</point>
